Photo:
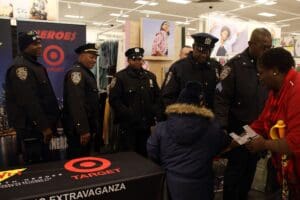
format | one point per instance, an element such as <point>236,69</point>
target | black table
<point>111,176</point>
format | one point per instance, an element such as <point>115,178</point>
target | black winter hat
<point>27,38</point>
<point>191,94</point>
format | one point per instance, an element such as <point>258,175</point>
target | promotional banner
<point>6,59</point>
<point>59,41</point>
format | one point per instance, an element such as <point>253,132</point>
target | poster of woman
<point>232,35</point>
<point>157,38</point>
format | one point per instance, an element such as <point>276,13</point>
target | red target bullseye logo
<point>87,164</point>
<point>53,55</point>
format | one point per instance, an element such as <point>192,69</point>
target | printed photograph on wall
<point>30,9</point>
<point>157,38</point>
<point>232,35</point>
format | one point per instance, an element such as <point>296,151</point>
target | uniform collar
<point>252,59</point>
<point>84,68</point>
<point>136,72</point>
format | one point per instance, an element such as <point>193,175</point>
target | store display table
<point>108,177</point>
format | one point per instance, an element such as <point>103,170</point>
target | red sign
<point>87,164</point>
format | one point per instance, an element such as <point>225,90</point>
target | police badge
<point>76,77</point>
<point>22,73</point>
<point>170,74</point>
<point>225,72</point>
<point>207,41</point>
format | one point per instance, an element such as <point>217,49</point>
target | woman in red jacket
<point>276,71</point>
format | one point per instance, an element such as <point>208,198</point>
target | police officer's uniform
<point>135,99</point>
<point>188,69</point>
<point>31,103</point>
<point>81,106</point>
<point>239,100</point>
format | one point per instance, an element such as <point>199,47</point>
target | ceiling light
<point>265,14</point>
<point>142,2</point>
<point>242,6</point>
<point>266,2</point>
<point>74,16</point>
<point>284,25</point>
<point>152,12</point>
<point>295,33</point>
<point>261,1</point>
<point>191,29</point>
<point>100,24</point>
<point>270,3</point>
<point>153,3</point>
<point>118,15</point>
<point>83,3</point>
<point>120,21</point>
<point>69,6</point>
<point>179,1</point>
<point>182,23</point>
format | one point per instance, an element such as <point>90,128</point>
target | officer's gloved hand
<point>47,133</point>
<point>85,138</point>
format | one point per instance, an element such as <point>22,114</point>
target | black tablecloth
<point>112,176</point>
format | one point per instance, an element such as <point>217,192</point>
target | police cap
<point>134,53</point>
<point>27,38</point>
<point>204,40</point>
<point>87,48</point>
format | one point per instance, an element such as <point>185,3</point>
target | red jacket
<point>284,106</point>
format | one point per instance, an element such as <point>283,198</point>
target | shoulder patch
<point>225,72</point>
<point>76,77</point>
<point>22,73</point>
<point>113,83</point>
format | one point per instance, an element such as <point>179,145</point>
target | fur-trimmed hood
<point>187,123</point>
<point>182,109</point>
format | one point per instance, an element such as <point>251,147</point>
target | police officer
<point>82,119</point>
<point>31,103</point>
<point>196,67</point>
<point>136,102</point>
<point>239,100</point>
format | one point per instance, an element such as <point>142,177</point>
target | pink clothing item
<point>160,44</point>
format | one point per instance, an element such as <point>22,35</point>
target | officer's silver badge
<point>207,41</point>
<point>170,74</point>
<point>113,83</point>
<point>225,72</point>
<point>76,77</point>
<point>22,73</point>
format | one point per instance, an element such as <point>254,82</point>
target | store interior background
<point>120,20</point>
